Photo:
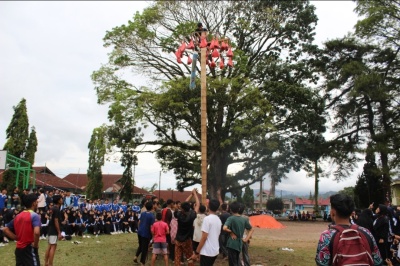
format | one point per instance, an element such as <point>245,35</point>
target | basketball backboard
<point>3,158</point>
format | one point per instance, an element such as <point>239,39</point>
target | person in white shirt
<point>208,247</point>
<point>42,201</point>
<point>197,224</point>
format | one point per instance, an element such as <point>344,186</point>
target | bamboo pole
<point>203,123</point>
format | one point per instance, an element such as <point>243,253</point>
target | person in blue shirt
<point>115,206</point>
<point>144,233</point>
<point>3,201</point>
<point>75,202</point>
<point>97,206</point>
<point>136,207</point>
<point>124,207</point>
<point>67,199</point>
<point>106,206</point>
<point>83,204</point>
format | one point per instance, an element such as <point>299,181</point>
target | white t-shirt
<point>211,225</point>
<point>197,224</point>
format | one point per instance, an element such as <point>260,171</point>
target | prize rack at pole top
<point>218,50</point>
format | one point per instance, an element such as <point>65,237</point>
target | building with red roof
<point>304,204</point>
<point>76,183</point>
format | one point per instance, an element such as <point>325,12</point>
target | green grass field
<point>113,250</point>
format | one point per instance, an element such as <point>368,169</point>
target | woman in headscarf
<point>366,220</point>
<point>381,230</point>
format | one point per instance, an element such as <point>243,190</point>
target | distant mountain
<point>291,195</point>
<point>328,194</point>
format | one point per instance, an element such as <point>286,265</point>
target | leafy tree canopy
<point>265,93</point>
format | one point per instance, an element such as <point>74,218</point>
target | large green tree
<point>381,26</point>
<point>369,187</point>
<point>31,147</point>
<point>362,91</point>
<point>379,22</point>
<point>20,143</point>
<point>362,88</point>
<point>275,204</point>
<point>265,93</point>
<point>128,161</point>
<point>248,197</point>
<point>97,151</point>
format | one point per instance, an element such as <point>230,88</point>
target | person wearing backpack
<point>343,243</point>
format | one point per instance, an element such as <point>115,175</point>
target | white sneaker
<point>97,235</point>
<point>88,236</point>
<point>84,236</point>
<point>2,245</point>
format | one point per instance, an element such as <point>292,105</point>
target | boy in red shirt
<point>26,226</point>
<point>160,230</point>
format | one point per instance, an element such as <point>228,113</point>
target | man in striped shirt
<point>25,229</point>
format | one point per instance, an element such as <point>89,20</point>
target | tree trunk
<point>273,184</point>
<point>316,192</point>
<point>217,173</point>
<point>384,154</point>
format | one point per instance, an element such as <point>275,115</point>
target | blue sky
<point>48,51</point>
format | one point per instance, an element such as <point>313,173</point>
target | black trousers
<point>27,256</point>
<point>207,261</point>
<point>143,248</point>
<point>233,256</point>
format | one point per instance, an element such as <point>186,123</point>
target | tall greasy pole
<point>203,123</point>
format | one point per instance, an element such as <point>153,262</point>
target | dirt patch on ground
<point>293,231</point>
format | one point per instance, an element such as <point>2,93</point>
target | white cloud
<point>48,51</point>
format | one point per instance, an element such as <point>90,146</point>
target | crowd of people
<point>193,232</point>
<point>175,231</point>
<point>381,228</point>
<point>181,232</point>
<point>83,218</point>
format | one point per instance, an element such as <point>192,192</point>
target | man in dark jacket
<point>183,240</point>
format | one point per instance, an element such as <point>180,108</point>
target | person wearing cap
<point>27,237</point>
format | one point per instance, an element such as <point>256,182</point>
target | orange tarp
<point>265,221</point>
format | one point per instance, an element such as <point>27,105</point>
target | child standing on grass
<point>160,230</point>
